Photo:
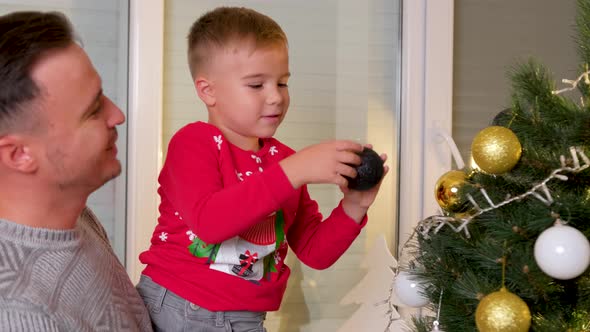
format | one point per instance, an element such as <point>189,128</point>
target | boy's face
<point>249,91</point>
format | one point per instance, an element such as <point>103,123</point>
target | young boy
<point>232,197</point>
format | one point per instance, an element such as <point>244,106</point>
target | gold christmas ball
<point>502,311</point>
<point>446,191</point>
<point>496,150</point>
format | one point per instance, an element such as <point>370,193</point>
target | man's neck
<point>40,209</point>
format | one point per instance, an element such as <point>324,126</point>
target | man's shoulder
<point>88,219</point>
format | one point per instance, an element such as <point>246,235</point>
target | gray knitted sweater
<point>65,281</point>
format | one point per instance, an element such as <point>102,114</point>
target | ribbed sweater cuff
<point>339,213</point>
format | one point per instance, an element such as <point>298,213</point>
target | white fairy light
<point>539,191</point>
<point>436,322</point>
<point>574,84</point>
<point>391,310</point>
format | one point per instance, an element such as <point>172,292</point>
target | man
<point>57,145</point>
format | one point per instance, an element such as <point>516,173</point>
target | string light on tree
<point>578,162</point>
<point>574,84</point>
<point>587,195</point>
<point>436,324</point>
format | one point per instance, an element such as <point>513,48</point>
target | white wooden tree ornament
<point>375,313</point>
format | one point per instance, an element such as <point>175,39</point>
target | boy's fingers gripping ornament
<point>369,172</point>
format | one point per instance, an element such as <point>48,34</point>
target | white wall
<point>491,37</point>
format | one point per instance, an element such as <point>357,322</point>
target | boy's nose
<point>274,96</point>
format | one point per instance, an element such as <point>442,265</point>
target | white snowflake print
<point>240,176</point>
<point>277,258</point>
<point>260,169</point>
<point>218,140</point>
<point>258,160</point>
<point>273,150</point>
<point>178,215</point>
<point>164,236</point>
<point>191,235</point>
<point>248,173</point>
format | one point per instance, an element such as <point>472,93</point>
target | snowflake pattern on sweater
<point>252,255</point>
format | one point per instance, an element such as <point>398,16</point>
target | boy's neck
<point>244,143</point>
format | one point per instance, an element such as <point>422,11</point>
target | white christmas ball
<point>409,290</point>
<point>562,252</point>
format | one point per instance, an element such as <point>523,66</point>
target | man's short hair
<point>223,25</point>
<point>24,38</point>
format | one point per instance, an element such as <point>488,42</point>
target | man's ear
<point>205,91</point>
<point>16,155</point>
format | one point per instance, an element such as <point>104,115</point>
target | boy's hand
<point>356,203</point>
<point>325,162</point>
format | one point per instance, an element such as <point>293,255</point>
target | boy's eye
<point>255,86</point>
<point>283,85</point>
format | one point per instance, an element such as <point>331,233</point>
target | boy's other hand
<point>356,203</point>
<point>325,162</point>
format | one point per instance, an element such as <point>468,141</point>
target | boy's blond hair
<point>223,25</point>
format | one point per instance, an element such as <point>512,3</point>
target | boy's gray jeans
<point>171,313</point>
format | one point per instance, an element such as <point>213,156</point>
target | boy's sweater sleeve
<point>319,243</point>
<point>192,181</point>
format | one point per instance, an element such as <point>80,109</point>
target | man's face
<point>251,93</point>
<point>75,141</point>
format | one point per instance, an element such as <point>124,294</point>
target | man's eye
<point>96,111</point>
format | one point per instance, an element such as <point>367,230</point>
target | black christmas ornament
<point>502,118</point>
<point>369,172</point>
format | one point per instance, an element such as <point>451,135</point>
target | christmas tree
<point>509,250</point>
